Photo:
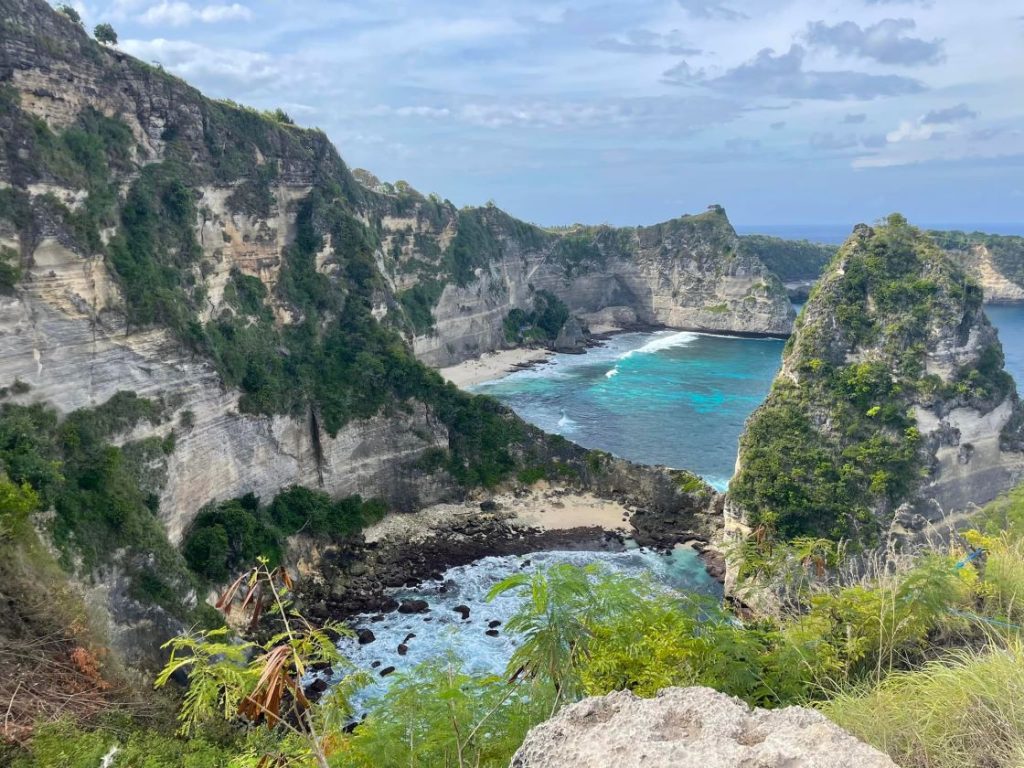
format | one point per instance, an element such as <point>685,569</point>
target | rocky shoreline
<point>359,578</point>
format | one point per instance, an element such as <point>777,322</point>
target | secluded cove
<point>672,397</point>
<point>668,397</point>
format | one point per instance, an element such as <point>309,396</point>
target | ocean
<point>673,398</point>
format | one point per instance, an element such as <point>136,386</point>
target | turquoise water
<point>1010,322</point>
<point>672,398</point>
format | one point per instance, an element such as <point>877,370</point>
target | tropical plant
<point>260,682</point>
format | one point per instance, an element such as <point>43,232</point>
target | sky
<point>632,112</point>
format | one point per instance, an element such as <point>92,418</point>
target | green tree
<point>66,10</point>
<point>104,33</point>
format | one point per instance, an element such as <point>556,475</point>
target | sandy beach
<point>548,510</point>
<point>490,366</point>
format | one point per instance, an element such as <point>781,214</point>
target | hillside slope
<point>892,410</point>
<point>199,302</point>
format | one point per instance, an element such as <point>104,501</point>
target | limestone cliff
<point>995,261</point>
<point>688,273</point>
<point>78,327</point>
<point>892,411</point>
<point>225,265</point>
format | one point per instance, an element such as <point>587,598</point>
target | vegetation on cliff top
<point>791,260</point>
<point>835,448</point>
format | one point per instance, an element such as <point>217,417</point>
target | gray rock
<point>690,728</point>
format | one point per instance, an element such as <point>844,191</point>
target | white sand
<point>490,366</point>
<point>558,511</point>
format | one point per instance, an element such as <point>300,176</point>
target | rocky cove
<point>403,551</point>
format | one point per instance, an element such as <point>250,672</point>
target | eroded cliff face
<point>892,413</point>
<point>688,273</point>
<point>74,357</point>
<point>67,329</point>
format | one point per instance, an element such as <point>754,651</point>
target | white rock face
<point>690,728</point>
<point>685,274</point>
<point>73,357</point>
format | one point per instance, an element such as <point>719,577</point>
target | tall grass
<point>965,710</point>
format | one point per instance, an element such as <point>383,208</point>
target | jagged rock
<point>402,649</point>
<point>318,685</point>
<point>463,611</point>
<point>488,505</point>
<point>894,375</point>
<point>413,606</point>
<point>572,337</point>
<point>365,636</point>
<point>690,728</point>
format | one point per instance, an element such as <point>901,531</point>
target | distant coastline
<point>837,233</point>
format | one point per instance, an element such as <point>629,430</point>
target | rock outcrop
<point>690,728</point>
<point>689,273</point>
<point>995,261</point>
<point>892,412</point>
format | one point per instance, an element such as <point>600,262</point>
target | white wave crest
<point>667,341</point>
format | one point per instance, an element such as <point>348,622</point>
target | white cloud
<point>179,13</point>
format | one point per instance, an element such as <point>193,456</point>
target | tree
<point>104,33</point>
<point>69,12</point>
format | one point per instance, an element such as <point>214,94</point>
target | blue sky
<point>783,111</point>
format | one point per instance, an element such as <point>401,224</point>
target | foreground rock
<point>690,728</point>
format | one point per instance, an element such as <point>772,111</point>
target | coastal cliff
<point>892,412</point>
<point>689,273</point>
<point>199,303</point>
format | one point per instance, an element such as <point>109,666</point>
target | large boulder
<point>690,728</point>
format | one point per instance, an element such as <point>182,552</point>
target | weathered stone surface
<point>687,273</point>
<point>690,728</point>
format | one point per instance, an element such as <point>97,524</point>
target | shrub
<point>104,33</point>
<point>959,711</point>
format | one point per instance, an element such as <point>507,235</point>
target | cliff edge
<point>690,728</point>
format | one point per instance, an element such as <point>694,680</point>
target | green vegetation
<point>419,301</point>
<point>10,269</point>
<point>104,497</point>
<point>859,362</point>
<point>917,659</point>
<point>104,33</point>
<point>791,260</point>
<point>542,323</point>
<point>962,710</point>
<point>225,536</point>
<point>69,12</point>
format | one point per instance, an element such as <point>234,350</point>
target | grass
<point>965,710</point>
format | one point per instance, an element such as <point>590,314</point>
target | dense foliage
<point>847,646</point>
<point>542,323</point>
<point>226,536</point>
<point>103,496</point>
<point>835,446</point>
<point>791,260</point>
